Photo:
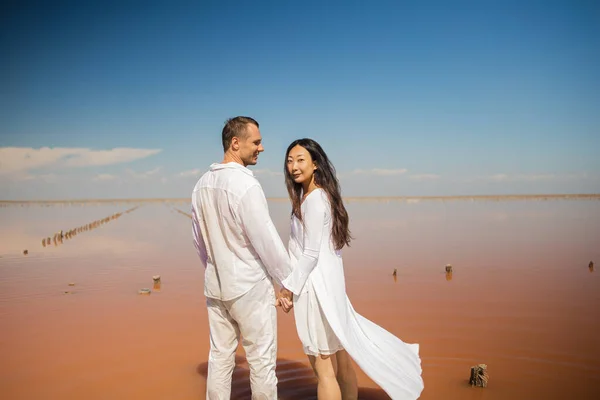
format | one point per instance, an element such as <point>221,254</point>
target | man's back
<point>239,247</point>
<point>225,202</point>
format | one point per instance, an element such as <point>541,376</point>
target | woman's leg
<point>346,376</point>
<point>326,370</point>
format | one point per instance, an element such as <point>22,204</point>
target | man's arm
<point>253,212</point>
<point>197,232</point>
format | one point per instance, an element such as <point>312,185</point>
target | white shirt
<point>234,234</point>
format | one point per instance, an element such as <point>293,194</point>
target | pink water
<point>521,299</point>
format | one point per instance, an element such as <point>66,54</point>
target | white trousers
<point>254,316</point>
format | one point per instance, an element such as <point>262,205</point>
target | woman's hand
<point>284,300</point>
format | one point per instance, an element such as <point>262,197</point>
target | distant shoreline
<point>594,196</point>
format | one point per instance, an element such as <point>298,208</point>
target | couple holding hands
<point>243,256</point>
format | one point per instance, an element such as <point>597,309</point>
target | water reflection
<point>470,234</point>
<point>157,283</point>
<point>519,305</point>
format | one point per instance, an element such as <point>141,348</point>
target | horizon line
<point>345,198</point>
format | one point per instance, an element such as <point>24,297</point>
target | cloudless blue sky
<point>463,90</point>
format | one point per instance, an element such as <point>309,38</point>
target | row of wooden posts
<point>183,213</point>
<point>58,237</point>
<point>448,273</point>
<point>448,269</point>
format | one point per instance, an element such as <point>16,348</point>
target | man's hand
<point>284,300</point>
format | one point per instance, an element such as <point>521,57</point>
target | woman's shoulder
<point>317,200</point>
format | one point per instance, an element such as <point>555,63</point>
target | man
<point>242,253</point>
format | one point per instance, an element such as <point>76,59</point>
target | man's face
<point>251,145</point>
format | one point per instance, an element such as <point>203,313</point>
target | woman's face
<point>300,165</point>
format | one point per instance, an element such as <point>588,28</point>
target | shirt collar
<point>233,165</point>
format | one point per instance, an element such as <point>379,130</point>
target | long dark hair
<point>326,179</point>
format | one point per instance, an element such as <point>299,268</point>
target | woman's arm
<point>314,229</point>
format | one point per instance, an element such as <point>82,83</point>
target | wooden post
<point>479,376</point>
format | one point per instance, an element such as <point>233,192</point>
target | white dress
<point>325,319</point>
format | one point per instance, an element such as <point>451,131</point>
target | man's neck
<point>232,157</point>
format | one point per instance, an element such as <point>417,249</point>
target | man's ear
<point>235,143</point>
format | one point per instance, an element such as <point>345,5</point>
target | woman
<point>331,332</point>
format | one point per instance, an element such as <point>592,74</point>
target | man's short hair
<point>236,127</point>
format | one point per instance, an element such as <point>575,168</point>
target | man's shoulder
<point>232,180</point>
<point>237,179</point>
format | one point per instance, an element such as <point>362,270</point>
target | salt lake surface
<point>521,299</point>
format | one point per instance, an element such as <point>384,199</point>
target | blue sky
<point>127,99</point>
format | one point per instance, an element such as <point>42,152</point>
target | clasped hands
<point>284,300</point>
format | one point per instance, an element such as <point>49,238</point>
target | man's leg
<point>257,317</point>
<point>224,336</point>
